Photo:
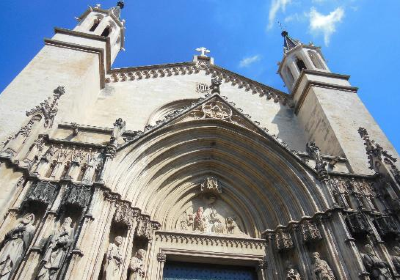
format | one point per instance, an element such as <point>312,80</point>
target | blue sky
<point>358,37</point>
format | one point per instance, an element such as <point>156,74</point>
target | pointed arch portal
<point>262,184</point>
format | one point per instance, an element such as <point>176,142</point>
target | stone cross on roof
<point>203,51</point>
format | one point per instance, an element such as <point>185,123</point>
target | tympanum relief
<point>208,213</point>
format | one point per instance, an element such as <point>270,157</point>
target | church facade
<point>188,170</point>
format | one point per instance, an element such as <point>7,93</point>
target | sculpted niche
<point>208,213</point>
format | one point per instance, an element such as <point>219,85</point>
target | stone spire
<point>288,42</point>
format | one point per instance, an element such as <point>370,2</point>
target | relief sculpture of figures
<point>321,269</point>
<point>136,265</point>
<point>112,266</point>
<point>56,250</point>
<point>212,218</point>
<point>14,245</point>
<point>292,273</point>
<point>199,220</point>
<point>377,268</point>
<point>396,258</point>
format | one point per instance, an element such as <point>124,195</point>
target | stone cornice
<point>207,239</point>
<point>188,68</point>
<point>100,52</point>
<point>316,73</point>
<point>293,224</point>
<point>106,40</point>
<point>321,85</point>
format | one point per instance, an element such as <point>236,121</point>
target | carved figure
<point>292,273</point>
<point>321,269</point>
<point>34,152</point>
<point>230,225</point>
<point>119,129</point>
<point>136,265</point>
<point>199,220</point>
<point>396,258</point>
<point>377,268</point>
<point>187,221</point>
<point>45,161</point>
<point>56,251</point>
<point>113,263</point>
<point>215,222</point>
<point>14,245</point>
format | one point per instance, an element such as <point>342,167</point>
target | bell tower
<point>76,59</point>
<point>104,23</point>
<point>327,105</point>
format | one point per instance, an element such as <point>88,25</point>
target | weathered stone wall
<point>136,101</point>
<point>77,71</point>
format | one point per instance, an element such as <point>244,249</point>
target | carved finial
<point>121,4</point>
<point>60,90</point>
<point>204,51</point>
<point>378,156</point>
<point>320,164</point>
<point>215,84</point>
<point>119,129</point>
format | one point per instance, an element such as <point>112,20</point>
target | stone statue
<point>377,268</point>
<point>113,262</point>
<point>292,273</point>
<point>321,269</point>
<point>136,265</point>
<point>199,220</point>
<point>56,250</point>
<point>396,258</point>
<point>230,225</point>
<point>14,245</point>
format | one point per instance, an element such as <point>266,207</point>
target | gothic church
<point>188,170</point>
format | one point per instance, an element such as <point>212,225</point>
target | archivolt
<point>261,180</point>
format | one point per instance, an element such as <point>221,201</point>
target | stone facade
<point>115,173</point>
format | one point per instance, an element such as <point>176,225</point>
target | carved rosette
<point>125,214</point>
<point>283,240</point>
<point>310,232</point>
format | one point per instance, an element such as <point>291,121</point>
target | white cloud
<point>294,17</point>
<point>325,24</point>
<point>247,61</point>
<point>276,5</point>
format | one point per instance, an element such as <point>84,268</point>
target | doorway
<point>191,271</point>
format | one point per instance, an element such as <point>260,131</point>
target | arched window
<point>289,76</point>
<point>95,24</point>
<point>106,31</point>
<point>300,64</point>
<point>316,60</point>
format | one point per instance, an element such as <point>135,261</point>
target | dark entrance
<point>190,271</point>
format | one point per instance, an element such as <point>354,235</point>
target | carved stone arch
<point>166,109</point>
<point>272,185</point>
